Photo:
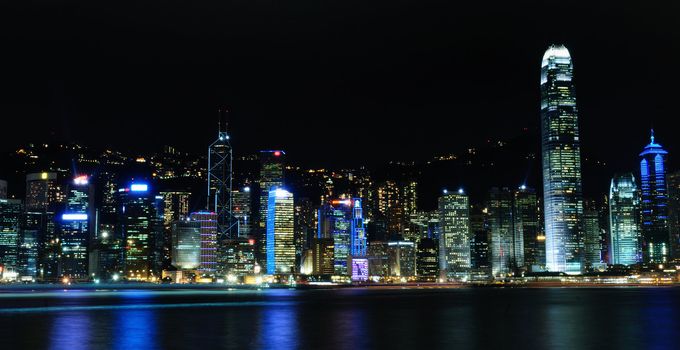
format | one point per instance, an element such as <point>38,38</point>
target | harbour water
<point>351,318</point>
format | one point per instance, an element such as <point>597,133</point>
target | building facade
<point>654,205</point>
<point>624,220</point>
<point>280,232</point>
<point>561,150</point>
<point>454,237</point>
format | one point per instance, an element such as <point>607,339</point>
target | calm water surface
<point>621,318</point>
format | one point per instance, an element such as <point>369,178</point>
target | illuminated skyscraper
<point>10,216</point>
<point>624,219</point>
<point>76,227</point>
<point>239,256</point>
<point>219,181</point>
<point>527,228</point>
<point>186,244</point>
<point>480,264</point>
<point>427,261</point>
<point>501,227</point>
<point>44,197</point>
<point>401,258</point>
<point>654,190</point>
<point>242,211</point>
<point>561,148</point>
<point>322,256</point>
<point>674,212</point>
<point>209,241</point>
<point>139,226</point>
<point>29,240</point>
<point>175,206</point>
<point>280,232</point>
<point>342,220</point>
<point>454,236</point>
<point>271,176</point>
<point>592,235</point>
<point>43,192</point>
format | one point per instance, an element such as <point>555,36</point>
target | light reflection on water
<point>344,319</point>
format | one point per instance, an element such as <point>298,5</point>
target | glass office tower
<point>561,149</point>
<point>623,213</point>
<point>654,190</point>
<point>454,238</point>
<point>280,232</point>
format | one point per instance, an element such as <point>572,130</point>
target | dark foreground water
<point>621,318</point>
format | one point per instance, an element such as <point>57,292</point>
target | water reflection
<point>135,329</point>
<point>71,330</point>
<point>278,327</point>
<point>659,320</point>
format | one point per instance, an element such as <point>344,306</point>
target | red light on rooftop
<point>277,153</point>
<point>251,241</point>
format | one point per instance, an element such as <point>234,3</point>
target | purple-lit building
<point>208,228</point>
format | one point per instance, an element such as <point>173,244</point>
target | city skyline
<point>414,174</point>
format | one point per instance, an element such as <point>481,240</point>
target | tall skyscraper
<point>220,159</point>
<point>561,148</point>
<point>454,236</point>
<point>674,212</point>
<point>528,236</point>
<point>29,241</point>
<point>139,226</point>
<point>272,163</point>
<point>10,216</point>
<point>479,244</point>
<point>76,227</point>
<point>624,219</point>
<point>501,227</point>
<point>242,211</point>
<point>342,220</point>
<point>44,197</point>
<point>280,232</point>
<point>592,235</point>
<point>654,190</point>
<point>209,241</point>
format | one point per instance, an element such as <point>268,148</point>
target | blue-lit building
<point>280,232</point>
<point>624,208</point>
<point>342,221</point>
<point>75,229</point>
<point>654,194</point>
<point>561,150</point>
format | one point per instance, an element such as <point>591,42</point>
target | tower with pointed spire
<point>220,180</point>
<point>654,192</point>
<point>561,150</point>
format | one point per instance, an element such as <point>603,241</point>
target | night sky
<point>333,82</point>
